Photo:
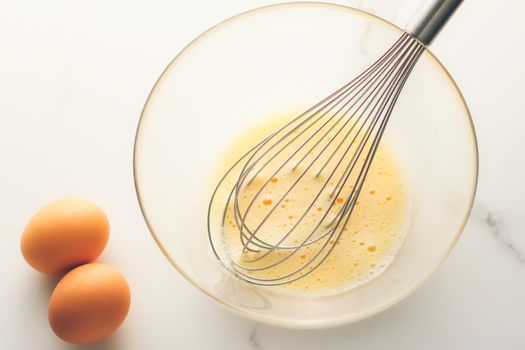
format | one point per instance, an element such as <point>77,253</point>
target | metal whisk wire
<point>342,132</point>
<point>240,217</point>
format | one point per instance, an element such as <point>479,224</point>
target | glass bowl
<point>280,58</point>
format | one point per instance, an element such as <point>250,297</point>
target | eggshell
<point>64,234</point>
<point>89,303</point>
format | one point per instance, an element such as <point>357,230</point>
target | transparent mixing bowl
<point>281,58</point>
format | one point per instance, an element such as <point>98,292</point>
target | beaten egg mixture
<point>368,242</point>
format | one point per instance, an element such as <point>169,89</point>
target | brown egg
<point>64,234</point>
<point>89,303</point>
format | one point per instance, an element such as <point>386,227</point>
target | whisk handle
<point>431,18</point>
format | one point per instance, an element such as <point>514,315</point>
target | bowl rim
<point>296,323</point>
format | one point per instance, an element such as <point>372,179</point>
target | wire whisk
<point>316,164</point>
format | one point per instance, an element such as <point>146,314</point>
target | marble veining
<point>252,339</point>
<point>495,221</point>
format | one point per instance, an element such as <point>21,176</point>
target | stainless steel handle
<point>431,18</point>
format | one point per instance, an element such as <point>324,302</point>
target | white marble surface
<point>73,79</point>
